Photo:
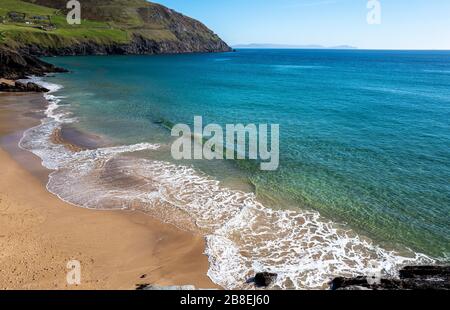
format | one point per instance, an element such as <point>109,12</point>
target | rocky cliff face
<point>139,45</point>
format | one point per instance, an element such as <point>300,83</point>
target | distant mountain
<point>343,47</point>
<point>287,46</point>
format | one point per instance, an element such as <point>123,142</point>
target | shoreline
<point>56,140</point>
<point>40,233</point>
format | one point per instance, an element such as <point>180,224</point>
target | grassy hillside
<point>104,23</point>
<point>15,34</point>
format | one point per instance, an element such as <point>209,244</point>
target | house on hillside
<point>16,17</point>
<point>48,27</point>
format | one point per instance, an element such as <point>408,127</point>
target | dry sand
<point>39,233</point>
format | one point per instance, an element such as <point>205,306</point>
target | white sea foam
<point>243,236</point>
<point>50,86</point>
<point>301,247</point>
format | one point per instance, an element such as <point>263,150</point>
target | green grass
<point>16,34</point>
<point>24,7</point>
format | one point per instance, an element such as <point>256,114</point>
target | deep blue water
<point>364,135</point>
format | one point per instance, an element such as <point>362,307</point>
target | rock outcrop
<point>263,279</point>
<point>22,87</point>
<point>410,278</point>
<point>17,65</point>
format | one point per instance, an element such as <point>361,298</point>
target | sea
<point>363,184</point>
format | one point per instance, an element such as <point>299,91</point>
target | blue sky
<point>405,24</point>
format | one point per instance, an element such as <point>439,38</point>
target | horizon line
<point>243,46</point>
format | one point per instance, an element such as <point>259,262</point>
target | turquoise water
<point>364,135</point>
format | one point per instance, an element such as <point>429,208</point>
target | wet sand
<point>39,233</point>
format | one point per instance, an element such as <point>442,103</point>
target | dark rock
<point>18,65</point>
<point>22,87</point>
<point>33,87</point>
<point>138,46</point>
<point>412,272</point>
<point>16,87</point>
<point>150,287</point>
<point>364,283</point>
<point>341,282</point>
<point>141,287</point>
<point>6,87</point>
<point>263,279</point>
<point>410,278</point>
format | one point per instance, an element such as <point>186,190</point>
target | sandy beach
<point>39,233</point>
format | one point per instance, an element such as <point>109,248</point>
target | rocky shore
<point>18,65</point>
<point>17,86</point>
<point>410,278</point>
